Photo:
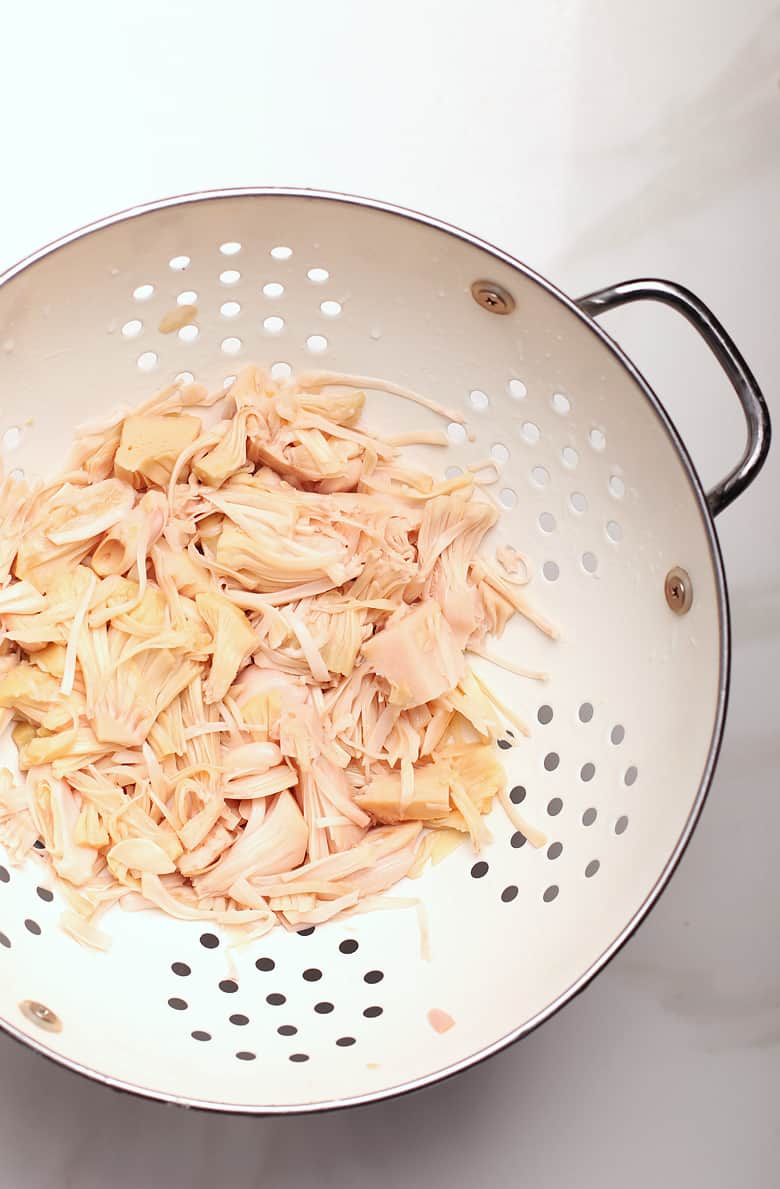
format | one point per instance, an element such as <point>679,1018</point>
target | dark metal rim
<point>723,683</point>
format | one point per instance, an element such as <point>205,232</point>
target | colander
<point>595,488</point>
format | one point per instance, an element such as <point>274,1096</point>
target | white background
<point>596,140</point>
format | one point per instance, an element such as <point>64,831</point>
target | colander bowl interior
<point>593,488</point>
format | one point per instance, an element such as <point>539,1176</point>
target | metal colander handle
<point>725,350</point>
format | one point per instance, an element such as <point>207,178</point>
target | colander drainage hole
<point>504,744</point>
<point>589,816</point>
<point>32,927</point>
<point>265,964</point>
<point>209,941</point>
<point>587,772</point>
<point>554,850</point>
<point>306,932</point>
<point>550,893</point>
<point>345,1042</point>
<point>373,1012</point>
<point>178,1004</point>
<point>631,775</point>
<point>621,825</point>
<point>545,715</point>
<point>517,795</point>
<point>592,868</point>
<point>5,941</point>
<point>312,975</point>
<point>554,806</point>
<point>4,876</point>
<point>617,734</point>
<point>239,1020</point>
<point>299,1058</point>
<point>349,946</point>
<point>517,840</point>
<point>275,1000</point>
<point>202,1036</point>
<point>324,1008</point>
<point>181,969</point>
<point>287,1030</point>
<point>229,986</point>
<point>44,894</point>
<point>245,1055</point>
<point>373,976</point>
<point>551,761</point>
<point>509,893</point>
<point>479,869</point>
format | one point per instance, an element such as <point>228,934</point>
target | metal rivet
<point>493,297</point>
<point>678,590</point>
<point>38,1013</point>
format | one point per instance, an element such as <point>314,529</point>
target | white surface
<point>596,141</point>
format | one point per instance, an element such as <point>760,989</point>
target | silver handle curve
<point>728,355</point>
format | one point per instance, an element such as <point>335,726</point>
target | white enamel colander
<point>596,488</point>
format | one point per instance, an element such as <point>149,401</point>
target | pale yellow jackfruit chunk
<point>150,445</point>
<point>418,655</point>
<point>382,796</point>
<point>227,457</point>
<point>37,696</point>
<point>234,640</point>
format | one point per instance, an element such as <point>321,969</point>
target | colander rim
<point>724,620</point>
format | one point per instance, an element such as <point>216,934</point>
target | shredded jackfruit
<point>235,648</point>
